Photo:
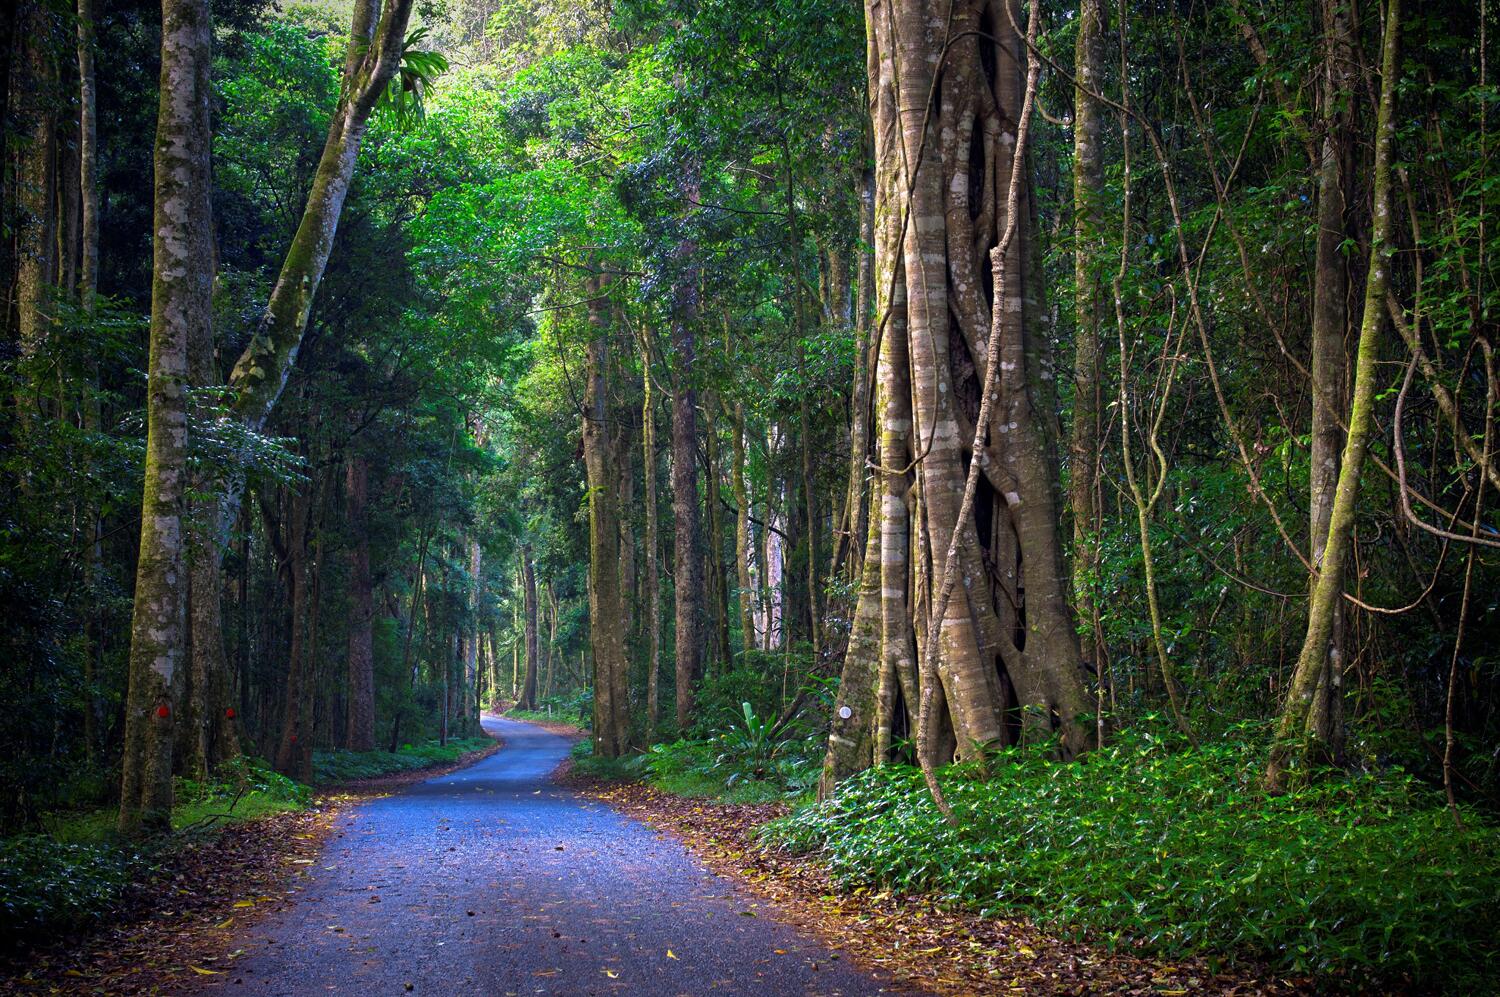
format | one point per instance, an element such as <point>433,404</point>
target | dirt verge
<point>180,921</point>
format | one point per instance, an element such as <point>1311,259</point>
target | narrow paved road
<point>491,880</point>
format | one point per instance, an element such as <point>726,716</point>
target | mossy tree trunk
<point>181,302</point>
<point>1300,736</point>
<point>604,443</point>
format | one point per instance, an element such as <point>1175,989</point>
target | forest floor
<point>174,924</point>
<point>922,943</point>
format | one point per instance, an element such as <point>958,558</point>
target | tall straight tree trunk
<point>687,576</point>
<point>471,639</point>
<point>359,725</point>
<point>294,749</point>
<point>36,99</point>
<point>548,687</point>
<point>1083,480</point>
<point>88,287</point>
<point>88,160</point>
<point>718,585</point>
<point>602,448</point>
<point>864,371</point>
<point>653,547</point>
<point>1300,737</point>
<point>181,301</point>
<point>527,700</point>
<point>742,533</point>
<point>1330,286</point>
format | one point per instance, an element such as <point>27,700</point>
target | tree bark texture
<point>181,301</point>
<point>1008,656</point>
<point>359,724</point>
<point>604,442</point>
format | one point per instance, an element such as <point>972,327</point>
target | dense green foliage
<point>1153,842</point>
<point>333,767</point>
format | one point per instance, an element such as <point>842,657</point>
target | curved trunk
<point>1299,735</point>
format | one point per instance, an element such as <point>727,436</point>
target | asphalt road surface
<point>493,881</point>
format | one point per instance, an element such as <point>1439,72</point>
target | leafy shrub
<point>1151,843</point>
<point>49,886</point>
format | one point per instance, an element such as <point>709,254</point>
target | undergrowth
<point>740,763</point>
<point>345,766</point>
<point>77,870</point>
<point>74,870</point>
<point>1151,843</point>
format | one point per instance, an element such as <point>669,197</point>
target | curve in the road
<point>492,880</point>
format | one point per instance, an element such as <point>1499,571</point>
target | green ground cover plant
<point>1176,849</point>
<point>330,767</point>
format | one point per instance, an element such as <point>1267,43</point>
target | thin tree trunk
<point>1299,737</point>
<point>88,160</point>
<point>88,287</point>
<point>718,586</point>
<point>471,639</point>
<point>742,533</point>
<point>296,726</point>
<point>181,300</point>
<point>1330,286</point>
<point>359,726</point>
<point>1083,482</point>
<point>653,547</point>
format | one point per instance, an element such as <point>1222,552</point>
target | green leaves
<point>1149,840</point>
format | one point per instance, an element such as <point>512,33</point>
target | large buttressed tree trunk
<point>181,302</point>
<point>1008,656</point>
<point>603,452</point>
